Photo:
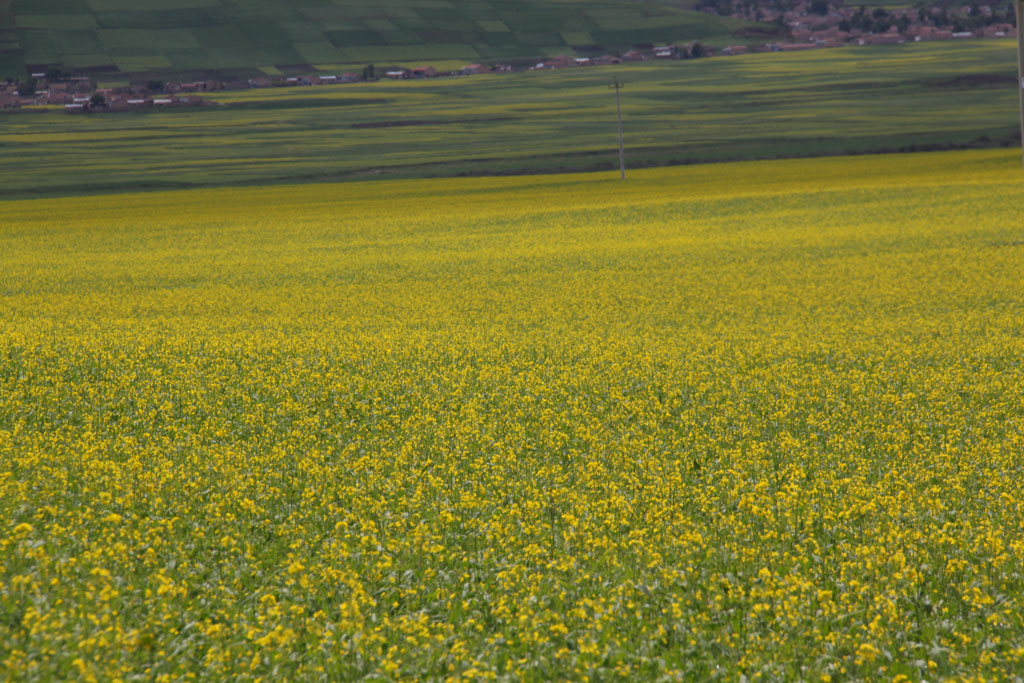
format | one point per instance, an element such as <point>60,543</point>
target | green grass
<point>239,36</point>
<point>850,100</point>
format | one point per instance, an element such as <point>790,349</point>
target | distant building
<point>560,62</point>
<point>733,50</point>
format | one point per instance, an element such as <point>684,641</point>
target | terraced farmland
<point>849,100</point>
<point>152,38</point>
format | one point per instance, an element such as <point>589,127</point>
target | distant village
<point>800,25</point>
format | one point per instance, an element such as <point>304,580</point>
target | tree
<point>155,86</point>
<point>28,88</point>
<point>844,25</point>
<point>819,7</point>
<point>98,100</point>
<point>698,51</point>
<point>369,73</point>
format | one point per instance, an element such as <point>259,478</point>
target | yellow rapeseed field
<point>761,420</point>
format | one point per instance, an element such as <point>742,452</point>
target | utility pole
<point>618,109</point>
<point>1019,6</point>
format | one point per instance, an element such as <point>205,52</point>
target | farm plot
<point>239,36</point>
<point>758,418</point>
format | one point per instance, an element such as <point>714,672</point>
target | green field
<point>235,38</point>
<point>848,100</point>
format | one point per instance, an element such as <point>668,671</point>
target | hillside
<point>844,100</point>
<point>157,38</point>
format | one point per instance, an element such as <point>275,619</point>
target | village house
<point>560,62</point>
<point>470,69</point>
<point>397,74</point>
<point>424,72</point>
<point>634,55</point>
<point>920,32</point>
<point>997,31</point>
<point>665,52</point>
<point>832,37</point>
<point>79,84</point>
<point>881,39</point>
<point>9,100</point>
<point>198,86</point>
<point>58,95</point>
<point>733,50</point>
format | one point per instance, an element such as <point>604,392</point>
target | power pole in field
<point>1019,6</point>
<point>618,109</point>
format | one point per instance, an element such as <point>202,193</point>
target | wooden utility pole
<point>618,109</point>
<point>1019,6</point>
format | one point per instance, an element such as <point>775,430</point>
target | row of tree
<point>877,20</point>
